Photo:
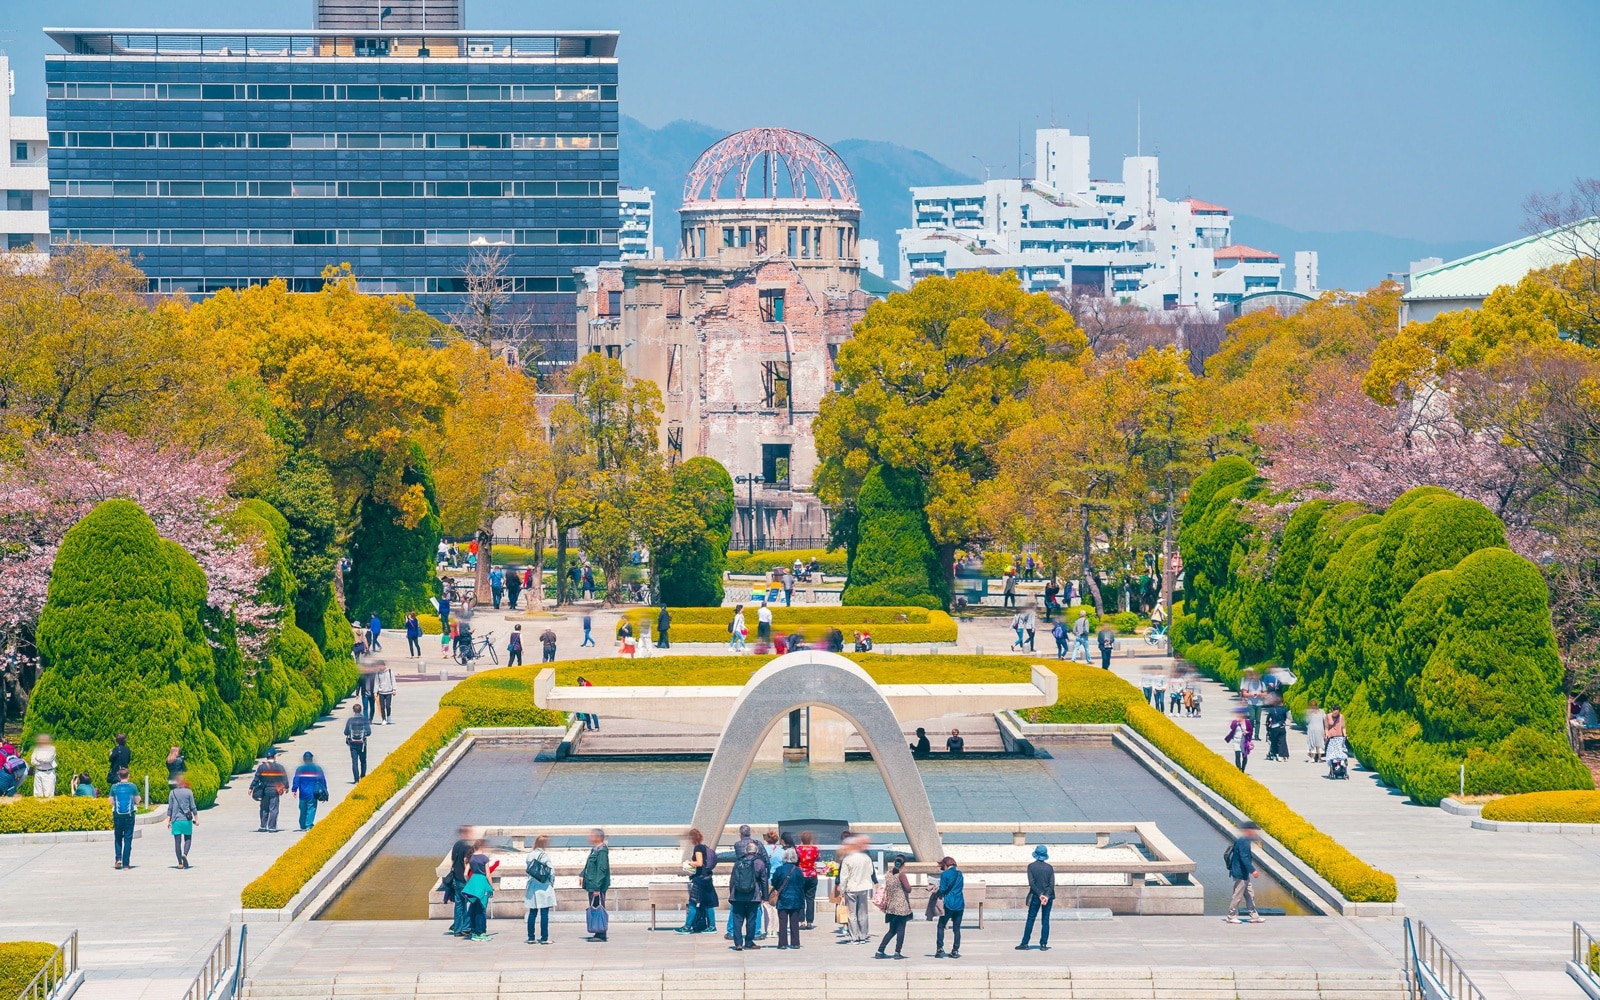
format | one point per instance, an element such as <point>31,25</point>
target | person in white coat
<point>383,686</point>
<point>540,897</point>
<point>44,767</point>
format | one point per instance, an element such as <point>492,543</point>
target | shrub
<point>431,625</point>
<point>763,561</point>
<point>501,698</point>
<point>58,815</point>
<point>1545,807</point>
<point>690,571</point>
<point>518,555</point>
<point>669,671</point>
<point>900,625</point>
<point>896,561</point>
<point>782,616</point>
<point>1126,622</point>
<point>21,961</point>
<point>393,562</point>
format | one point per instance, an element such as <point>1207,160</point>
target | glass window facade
<point>219,172</point>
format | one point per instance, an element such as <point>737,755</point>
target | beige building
<point>740,331</point>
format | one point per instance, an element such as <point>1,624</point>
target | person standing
<point>789,884</point>
<point>43,759</point>
<point>1316,731</point>
<point>896,908</point>
<point>1242,867</point>
<point>182,815</point>
<point>444,612</point>
<point>747,887</point>
<point>1175,687</point>
<point>514,647</point>
<point>855,882</point>
<point>540,897</point>
<point>1277,730</point>
<point>125,801</point>
<point>1008,592</point>
<point>513,588</point>
<point>414,635</point>
<point>357,731</point>
<point>1106,638</point>
<point>266,787</point>
<point>808,854</point>
<point>702,908</point>
<point>383,685</point>
<point>1080,635</point>
<point>456,880</point>
<point>763,626</point>
<point>955,745</point>
<point>788,587</point>
<point>1041,897</point>
<point>120,759</point>
<point>547,644</point>
<point>176,765</point>
<point>951,884</point>
<point>310,786</point>
<point>1052,593</point>
<point>589,719</point>
<point>597,874</point>
<point>497,585</point>
<point>588,583</point>
<point>663,625</point>
<point>588,638</point>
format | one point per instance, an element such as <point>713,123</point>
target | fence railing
<point>1433,971</point>
<point>223,971</point>
<point>1586,951</point>
<point>58,970</point>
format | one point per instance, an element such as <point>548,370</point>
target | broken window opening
<point>675,370</point>
<point>775,382</point>
<point>772,305</point>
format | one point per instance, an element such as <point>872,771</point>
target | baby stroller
<point>1338,758</point>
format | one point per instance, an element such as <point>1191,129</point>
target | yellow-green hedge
<point>501,697</point>
<point>20,961</point>
<point>798,614</point>
<point>58,815</point>
<point>430,625</point>
<point>1545,807</point>
<point>765,560</point>
<point>667,671</point>
<point>1089,695</point>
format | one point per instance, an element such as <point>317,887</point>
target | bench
<point>672,895</point>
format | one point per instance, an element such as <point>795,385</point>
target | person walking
<point>1244,731</point>
<point>747,887</point>
<point>1058,632</point>
<point>1277,730</point>
<point>808,854</point>
<point>43,760</point>
<point>1052,592</point>
<point>702,912</point>
<point>497,585</point>
<point>1316,731</point>
<point>383,687</point>
<point>357,731</point>
<point>125,800</point>
<point>367,689</point>
<point>414,635</point>
<point>374,630</point>
<point>788,885</point>
<point>763,627</point>
<point>1242,867</point>
<point>182,815</point>
<point>1106,639</point>
<point>540,897</point>
<point>310,786</point>
<point>1080,636</point>
<point>513,588</point>
<point>1030,624</point>
<point>896,907</point>
<point>788,587</point>
<point>267,787</point>
<point>596,878</point>
<point>1008,591</point>
<point>737,629</point>
<point>663,626</point>
<point>856,878</point>
<point>588,583</point>
<point>119,759</point>
<point>1175,687</point>
<point>1016,626</point>
<point>588,637</point>
<point>547,646</point>
<point>949,891</point>
<point>1041,897</point>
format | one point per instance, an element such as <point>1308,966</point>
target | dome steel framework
<point>756,158</point>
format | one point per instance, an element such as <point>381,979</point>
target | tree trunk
<point>561,564</point>
<point>1088,570</point>
<point>480,576</point>
<point>538,569</point>
<point>947,559</point>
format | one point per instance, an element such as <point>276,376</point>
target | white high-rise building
<point>1064,230</point>
<point>1305,272</point>
<point>636,231</point>
<point>24,176</point>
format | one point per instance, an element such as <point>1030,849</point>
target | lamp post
<point>1164,516</point>
<point>750,482</point>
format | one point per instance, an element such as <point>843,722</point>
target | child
<point>1241,727</point>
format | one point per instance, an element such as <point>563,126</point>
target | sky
<point>1428,120</point>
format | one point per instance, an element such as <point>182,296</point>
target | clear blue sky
<point>1430,120</point>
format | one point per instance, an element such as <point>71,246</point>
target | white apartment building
<point>1065,230</point>
<point>636,215</point>
<point>24,177</point>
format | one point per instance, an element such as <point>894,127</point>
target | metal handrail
<point>1585,950</point>
<point>62,964</point>
<point>220,977</point>
<point>1433,971</point>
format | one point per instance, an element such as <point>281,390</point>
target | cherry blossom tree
<point>51,485</point>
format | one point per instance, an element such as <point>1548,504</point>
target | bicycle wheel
<point>462,656</point>
<point>493,656</point>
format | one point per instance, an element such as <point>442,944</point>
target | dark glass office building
<point>222,159</point>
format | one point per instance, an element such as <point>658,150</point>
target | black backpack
<point>1227,859</point>
<point>744,881</point>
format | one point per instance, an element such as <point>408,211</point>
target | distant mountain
<point>884,172</point>
<point>1351,260</point>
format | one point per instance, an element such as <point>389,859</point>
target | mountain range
<point>659,158</point>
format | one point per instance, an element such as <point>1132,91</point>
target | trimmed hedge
<point>670,671</point>
<point>798,614</point>
<point>1545,807</point>
<point>1087,695</point>
<point>895,560</point>
<point>939,627</point>
<point>488,699</point>
<point>58,815</point>
<point>20,961</point>
<point>763,561</point>
<point>392,565</point>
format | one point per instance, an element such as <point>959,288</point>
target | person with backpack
<point>310,786</point>
<point>547,643</point>
<point>514,647</point>
<point>1241,862</point>
<point>266,786</point>
<point>414,635</point>
<point>540,897</point>
<point>357,731</point>
<point>949,891</point>
<point>1058,632</point>
<point>596,880</point>
<point>702,913</point>
<point>1080,635</point>
<point>747,887</point>
<point>125,801</point>
<point>1106,638</point>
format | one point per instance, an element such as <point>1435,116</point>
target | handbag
<point>935,908</point>
<point>880,895</point>
<point>841,914</point>
<point>596,918</point>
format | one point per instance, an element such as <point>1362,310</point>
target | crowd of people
<point>1261,715</point>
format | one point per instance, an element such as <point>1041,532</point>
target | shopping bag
<point>597,918</point>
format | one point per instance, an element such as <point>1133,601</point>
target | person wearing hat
<point>1242,867</point>
<point>310,787</point>
<point>268,785</point>
<point>1041,897</point>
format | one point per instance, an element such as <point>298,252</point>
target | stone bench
<point>672,895</point>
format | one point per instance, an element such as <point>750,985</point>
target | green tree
<point>393,563</point>
<point>689,538</point>
<point>896,562</point>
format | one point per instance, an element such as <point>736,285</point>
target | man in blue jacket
<point>310,786</point>
<point>1242,866</point>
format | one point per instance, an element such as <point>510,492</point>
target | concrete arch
<point>815,677</point>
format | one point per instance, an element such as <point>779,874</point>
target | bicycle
<point>466,652</point>
<point>1157,636</point>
